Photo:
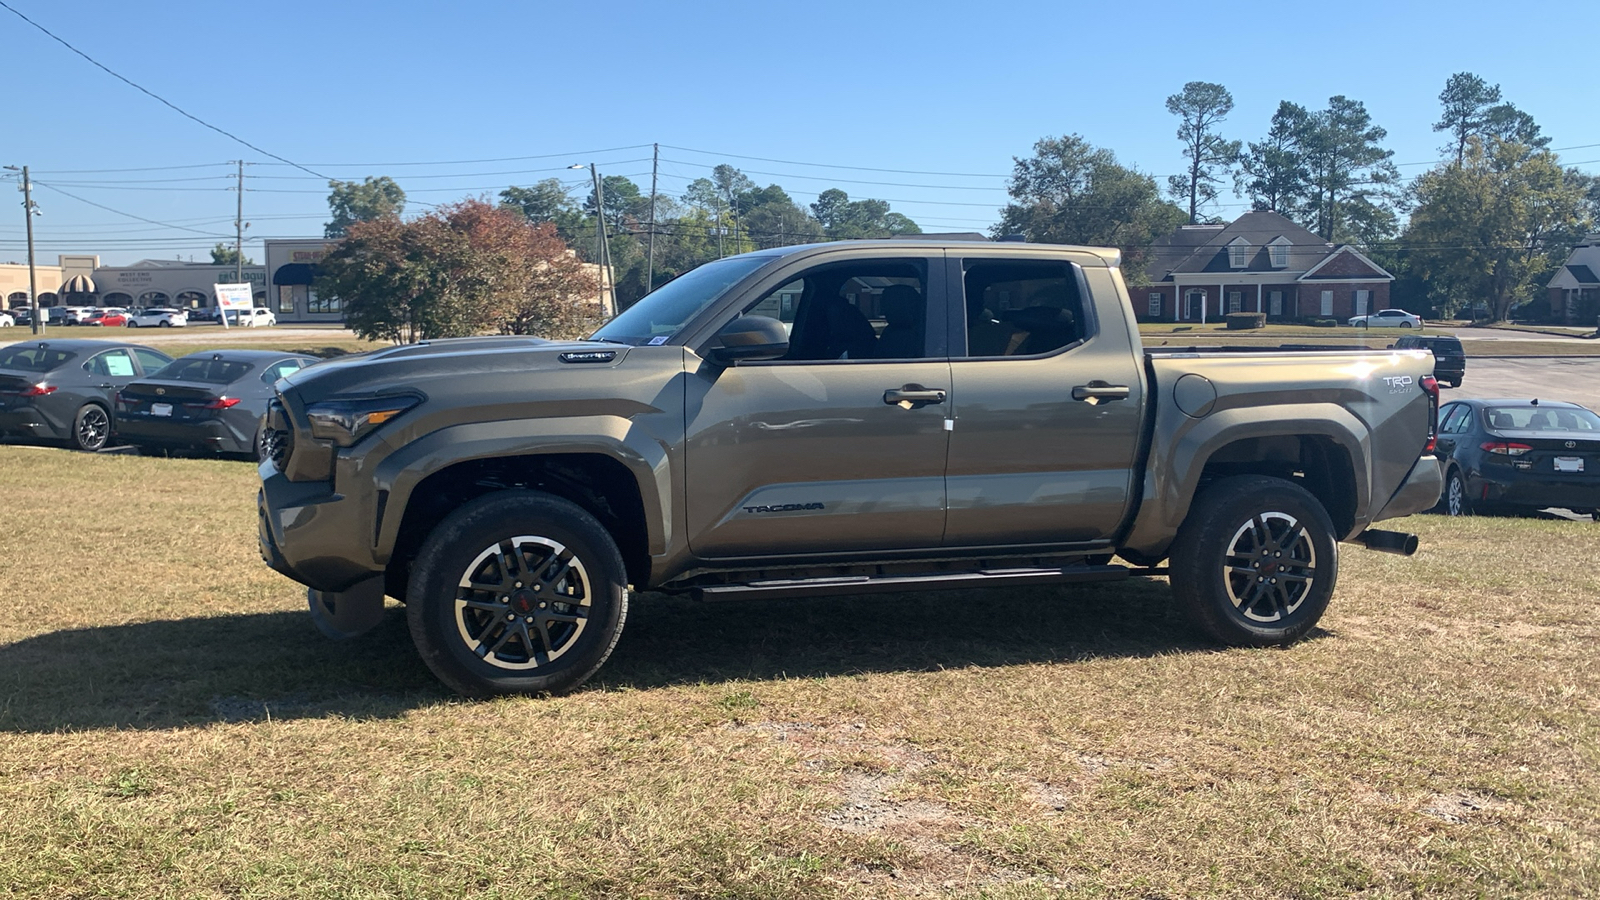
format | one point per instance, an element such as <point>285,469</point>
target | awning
<point>78,284</point>
<point>295,273</point>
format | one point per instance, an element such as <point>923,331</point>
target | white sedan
<point>6,320</point>
<point>1387,318</point>
<point>252,318</point>
<point>159,317</point>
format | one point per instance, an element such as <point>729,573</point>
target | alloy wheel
<point>93,428</point>
<point>523,603</point>
<point>1455,495</point>
<point>1270,567</point>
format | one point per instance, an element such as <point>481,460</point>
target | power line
<point>120,212</point>
<point>790,162</point>
<point>467,162</point>
<point>165,102</point>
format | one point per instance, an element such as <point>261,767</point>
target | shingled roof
<point>1204,248</point>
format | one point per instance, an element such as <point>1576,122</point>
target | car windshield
<point>1534,418</point>
<point>208,370</point>
<point>660,315</point>
<point>33,359</point>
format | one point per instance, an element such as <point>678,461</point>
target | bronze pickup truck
<point>841,418</point>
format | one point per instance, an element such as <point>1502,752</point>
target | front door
<point>1196,303</point>
<point>1046,406</point>
<point>840,445</point>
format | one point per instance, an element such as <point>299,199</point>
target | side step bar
<point>878,584</point>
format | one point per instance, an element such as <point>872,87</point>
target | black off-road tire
<point>1255,562</point>
<point>91,428</point>
<point>501,538</point>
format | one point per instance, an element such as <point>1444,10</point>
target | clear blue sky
<point>354,88</point>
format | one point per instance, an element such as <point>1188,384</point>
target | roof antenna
<point>1536,401</point>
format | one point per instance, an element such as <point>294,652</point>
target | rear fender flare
<point>1170,486</point>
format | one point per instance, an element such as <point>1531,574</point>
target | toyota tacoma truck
<point>841,418</point>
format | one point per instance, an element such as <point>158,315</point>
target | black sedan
<point>1503,455</point>
<point>211,401</point>
<point>63,390</point>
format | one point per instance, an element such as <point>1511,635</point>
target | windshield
<point>33,359</point>
<point>1532,418</point>
<point>657,317</point>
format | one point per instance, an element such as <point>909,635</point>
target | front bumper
<point>1536,490</point>
<point>311,534</point>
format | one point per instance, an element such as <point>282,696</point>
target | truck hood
<point>413,365</point>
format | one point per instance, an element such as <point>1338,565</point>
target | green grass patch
<point>171,725</point>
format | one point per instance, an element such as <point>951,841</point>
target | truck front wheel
<point>1255,562</point>
<point>517,592</point>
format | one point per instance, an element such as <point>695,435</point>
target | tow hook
<point>1388,541</point>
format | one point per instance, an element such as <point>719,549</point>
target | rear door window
<point>1022,307</point>
<point>111,364</point>
<point>281,368</point>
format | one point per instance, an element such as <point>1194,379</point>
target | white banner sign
<point>234,296</point>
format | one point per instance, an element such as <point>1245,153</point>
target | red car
<point>108,317</point>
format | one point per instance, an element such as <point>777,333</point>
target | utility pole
<point>28,213</point>
<point>603,248</point>
<point>650,268</point>
<point>238,230</point>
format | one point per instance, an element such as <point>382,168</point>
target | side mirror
<point>751,337</point>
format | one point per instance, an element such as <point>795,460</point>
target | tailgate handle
<point>913,396</point>
<point>1097,391</point>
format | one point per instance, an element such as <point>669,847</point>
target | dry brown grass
<point>172,726</point>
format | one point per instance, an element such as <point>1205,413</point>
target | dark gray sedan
<point>211,401</point>
<point>63,390</point>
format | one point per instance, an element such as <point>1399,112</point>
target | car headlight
<point>345,421</point>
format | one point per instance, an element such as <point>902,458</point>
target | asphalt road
<point>1499,334</point>
<point>1575,379</point>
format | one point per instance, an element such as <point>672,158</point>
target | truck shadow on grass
<point>186,672</point>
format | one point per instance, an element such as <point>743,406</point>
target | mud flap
<point>350,613</point>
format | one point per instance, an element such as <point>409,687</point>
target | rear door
<point>840,445</point>
<point>1047,404</point>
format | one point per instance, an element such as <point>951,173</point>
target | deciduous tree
<point>373,198</point>
<point>223,255</point>
<point>1071,192</point>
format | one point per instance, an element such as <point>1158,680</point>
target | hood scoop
<point>588,356</point>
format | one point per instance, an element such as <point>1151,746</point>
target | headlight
<point>349,420</point>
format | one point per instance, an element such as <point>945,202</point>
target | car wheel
<point>517,592</point>
<point>1454,501</point>
<point>166,323</point>
<point>91,428</point>
<point>1255,562</point>
<point>1363,324</point>
<point>1406,325</point>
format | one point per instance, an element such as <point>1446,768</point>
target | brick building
<point>1262,262</point>
<point>1574,292</point>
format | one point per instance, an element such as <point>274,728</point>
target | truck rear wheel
<point>517,592</point>
<point>1255,562</point>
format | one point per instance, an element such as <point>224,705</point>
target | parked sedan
<point>108,317</point>
<point>7,320</point>
<point>210,401</point>
<point>1501,455</point>
<point>1387,318</point>
<point>252,318</point>
<point>158,317</point>
<point>74,315</point>
<point>62,390</point>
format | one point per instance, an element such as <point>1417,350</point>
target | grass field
<point>172,726</point>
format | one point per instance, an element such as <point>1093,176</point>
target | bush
<point>1240,321</point>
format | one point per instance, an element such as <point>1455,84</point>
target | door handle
<point>1096,392</point>
<point>913,396</point>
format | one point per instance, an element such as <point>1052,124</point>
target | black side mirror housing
<point>751,338</point>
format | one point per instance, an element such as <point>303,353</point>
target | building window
<point>1327,303</point>
<point>1275,303</point>
<point>1239,255</point>
<point>1235,301</point>
<point>1362,299</point>
<point>1280,255</point>
<point>321,305</point>
<point>1155,306</point>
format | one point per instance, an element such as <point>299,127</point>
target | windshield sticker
<point>658,340</point>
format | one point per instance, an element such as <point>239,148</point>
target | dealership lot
<point>1574,379</point>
